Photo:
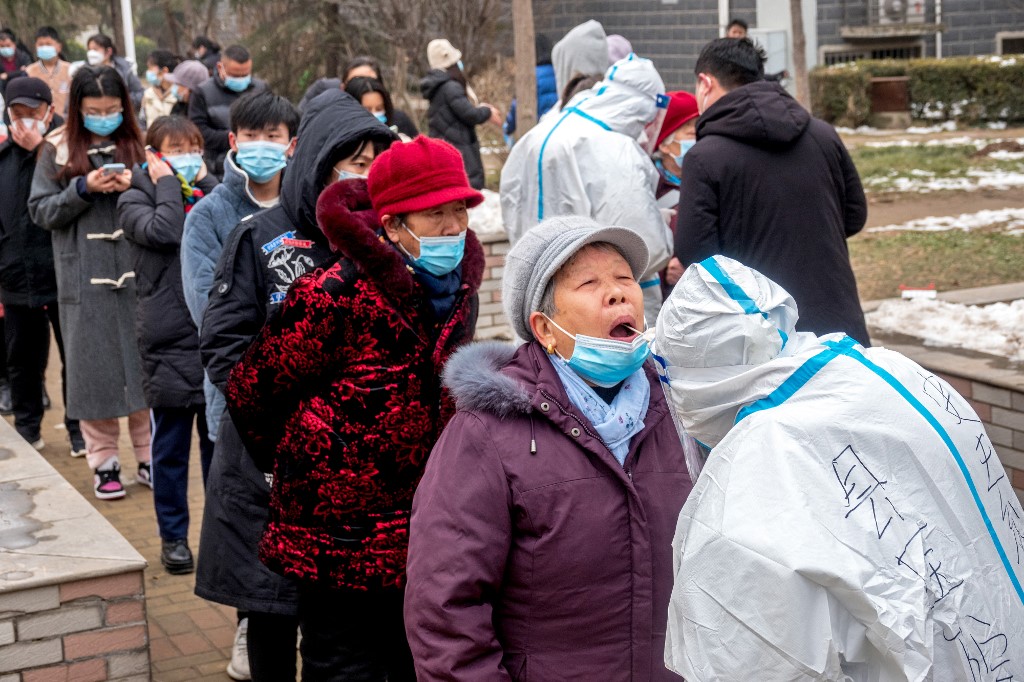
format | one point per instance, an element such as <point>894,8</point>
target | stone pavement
<point>190,638</point>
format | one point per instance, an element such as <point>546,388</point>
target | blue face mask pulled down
<point>152,78</point>
<point>237,84</point>
<point>46,52</point>
<point>186,164</point>
<point>606,362</point>
<point>438,255</point>
<point>261,160</point>
<point>103,125</point>
<point>382,117</point>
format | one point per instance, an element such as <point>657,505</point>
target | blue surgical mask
<point>438,255</point>
<point>237,84</point>
<point>153,79</point>
<point>6,52</point>
<point>174,91</point>
<point>606,362</point>
<point>459,64</point>
<point>684,146</point>
<point>186,164</point>
<point>261,160</point>
<point>382,117</point>
<point>46,52</point>
<point>103,125</point>
<point>348,175</point>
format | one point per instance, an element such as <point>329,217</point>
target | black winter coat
<point>399,118</point>
<point>453,118</point>
<point>209,107</point>
<point>26,252</point>
<point>262,257</point>
<point>153,217</point>
<point>775,189</point>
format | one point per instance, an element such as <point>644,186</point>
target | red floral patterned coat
<point>340,396</point>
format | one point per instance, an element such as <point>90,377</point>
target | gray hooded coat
<point>95,289</point>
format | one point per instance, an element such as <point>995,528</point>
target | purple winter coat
<point>543,563</point>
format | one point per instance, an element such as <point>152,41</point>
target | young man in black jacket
<point>28,285</point>
<point>772,187</point>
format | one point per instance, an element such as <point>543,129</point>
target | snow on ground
<point>997,329</point>
<point>946,126</point>
<point>963,141</point>
<point>972,179</point>
<point>486,218</point>
<point>1011,218</point>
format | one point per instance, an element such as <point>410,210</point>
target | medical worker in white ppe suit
<point>852,521</point>
<point>589,161</point>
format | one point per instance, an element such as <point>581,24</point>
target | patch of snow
<point>996,125</point>
<point>1012,217</point>
<point>938,128</point>
<point>997,329</point>
<point>861,130</point>
<point>1003,155</point>
<point>486,218</point>
<point>975,179</point>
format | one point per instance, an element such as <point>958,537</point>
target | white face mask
<point>94,57</point>
<point>29,123</point>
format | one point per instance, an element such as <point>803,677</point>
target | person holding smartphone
<point>81,172</point>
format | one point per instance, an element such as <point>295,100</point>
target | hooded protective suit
<point>584,49</point>
<point>865,524</point>
<point>587,161</point>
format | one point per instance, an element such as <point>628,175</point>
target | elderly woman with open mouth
<point>540,541</point>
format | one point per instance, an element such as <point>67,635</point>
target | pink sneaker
<point>108,483</point>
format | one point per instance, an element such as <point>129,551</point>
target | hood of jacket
<point>477,383</point>
<point>626,100</point>
<point>346,217</point>
<point>584,49</point>
<point>761,114</point>
<point>238,181</point>
<point>333,120</point>
<point>434,79</point>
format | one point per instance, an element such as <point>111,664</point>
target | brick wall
<point>86,630</point>
<point>1002,411</point>
<point>492,323</point>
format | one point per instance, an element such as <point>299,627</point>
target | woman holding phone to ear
<point>82,170</point>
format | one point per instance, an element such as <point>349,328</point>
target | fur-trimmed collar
<point>474,377</point>
<point>346,216</point>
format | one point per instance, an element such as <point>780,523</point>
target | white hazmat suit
<point>852,522</point>
<point>588,161</point>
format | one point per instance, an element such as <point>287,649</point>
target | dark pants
<point>27,334</point>
<point>353,636</point>
<point>172,441</point>
<point>271,645</point>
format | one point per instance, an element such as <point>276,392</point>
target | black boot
<point>6,406</point>
<point>176,557</point>
<point>46,399</point>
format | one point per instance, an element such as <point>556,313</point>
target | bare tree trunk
<point>118,26</point>
<point>173,30</point>
<point>332,30</point>
<point>526,61</point>
<point>796,14</point>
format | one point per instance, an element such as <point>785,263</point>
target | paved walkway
<point>190,638</point>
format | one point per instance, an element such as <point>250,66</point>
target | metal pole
<point>938,33</point>
<point>129,32</point>
<point>723,17</point>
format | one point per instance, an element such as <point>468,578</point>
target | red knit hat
<point>682,107</point>
<point>417,175</point>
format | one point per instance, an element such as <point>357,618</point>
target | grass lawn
<point>878,166</point>
<point>952,260</point>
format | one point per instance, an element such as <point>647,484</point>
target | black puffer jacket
<point>26,253</point>
<point>209,107</point>
<point>153,217</point>
<point>453,118</point>
<point>263,255</point>
<point>775,189</point>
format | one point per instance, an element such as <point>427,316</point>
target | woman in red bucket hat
<point>340,398</point>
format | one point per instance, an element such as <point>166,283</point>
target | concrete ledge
<point>72,601</point>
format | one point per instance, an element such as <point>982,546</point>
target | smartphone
<point>113,168</point>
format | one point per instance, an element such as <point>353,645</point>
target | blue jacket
<point>206,230</point>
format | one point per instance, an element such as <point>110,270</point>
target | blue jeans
<point>172,441</point>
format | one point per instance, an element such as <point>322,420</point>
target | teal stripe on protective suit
<point>653,282</point>
<point>791,385</point>
<point>736,293</point>
<point>543,146</point>
<point>597,121</point>
<point>846,347</point>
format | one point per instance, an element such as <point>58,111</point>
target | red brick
<point>108,587</point>
<point>104,641</point>
<point>1018,478</point>
<point>984,411</point>
<point>93,670</point>
<point>494,260</point>
<point>962,386</point>
<point>123,612</point>
<point>191,643</point>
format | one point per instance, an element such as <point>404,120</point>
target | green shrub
<point>966,89</point>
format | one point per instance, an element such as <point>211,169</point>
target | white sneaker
<point>238,667</point>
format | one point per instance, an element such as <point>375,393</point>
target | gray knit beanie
<point>189,73</point>
<point>539,254</point>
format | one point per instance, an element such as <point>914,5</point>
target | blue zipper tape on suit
<point>791,385</point>
<point>736,293</point>
<point>544,144</point>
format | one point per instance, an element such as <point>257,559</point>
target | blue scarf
<point>618,422</point>
<point>440,290</point>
